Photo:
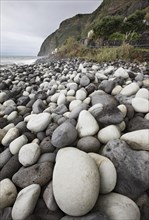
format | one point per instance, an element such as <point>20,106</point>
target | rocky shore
<point>74,141</point>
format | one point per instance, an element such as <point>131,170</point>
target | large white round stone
<point>117,207</point>
<point>81,94</point>
<point>61,99</point>
<point>130,89</point>
<point>138,140</point>
<point>25,202</point>
<point>143,93</point>
<point>10,136</point>
<point>109,133</point>
<point>39,122</point>
<point>107,171</point>
<point>87,124</point>
<point>140,105</point>
<point>17,143</point>
<point>29,154</point>
<point>75,181</point>
<point>8,193</point>
<point>120,72</point>
<point>74,104</point>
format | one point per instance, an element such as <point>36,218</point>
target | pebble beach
<point>74,141</point>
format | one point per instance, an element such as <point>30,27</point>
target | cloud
<point>16,43</point>
<point>25,24</point>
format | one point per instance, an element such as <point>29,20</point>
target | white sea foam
<point>18,60</point>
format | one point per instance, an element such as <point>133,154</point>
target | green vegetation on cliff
<point>126,52</point>
<point>110,12</point>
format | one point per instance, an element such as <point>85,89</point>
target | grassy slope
<point>79,25</point>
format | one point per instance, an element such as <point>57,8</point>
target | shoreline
<point>72,126</point>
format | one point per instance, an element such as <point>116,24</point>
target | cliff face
<point>70,27</point>
<point>79,25</point>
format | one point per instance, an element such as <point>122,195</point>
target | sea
<point>18,60</point>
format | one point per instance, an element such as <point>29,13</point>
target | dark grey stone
<point>50,129</point>
<point>132,168</point>
<point>109,115</point>
<point>119,81</point>
<point>3,122</point>
<point>104,99</point>
<point>84,81</point>
<point>5,214</point>
<point>47,157</point>
<point>107,85</point>
<point>90,76</point>
<point>38,106</point>
<point>41,95</point>
<point>46,145</point>
<point>143,204</point>
<point>30,136</point>
<point>41,212</point>
<point>4,157</point>
<point>23,100</point>
<point>10,168</point>
<point>90,216</point>
<point>137,123</point>
<point>91,88</point>
<point>17,120</point>
<point>64,135</point>
<point>89,144</point>
<point>139,77</point>
<point>39,174</point>
<point>61,109</point>
<point>41,135</point>
<point>9,109</point>
<point>123,99</point>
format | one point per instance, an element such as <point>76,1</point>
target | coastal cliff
<point>79,25</point>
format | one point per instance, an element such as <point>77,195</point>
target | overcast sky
<point>26,23</point>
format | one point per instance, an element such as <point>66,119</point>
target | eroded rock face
<point>128,164</point>
<point>70,183</point>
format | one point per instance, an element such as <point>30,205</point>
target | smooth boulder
<point>64,135</point>
<point>117,207</point>
<point>29,154</point>
<point>109,133</point>
<point>87,124</point>
<point>25,202</point>
<point>75,190</point>
<point>140,105</point>
<point>138,140</point>
<point>8,193</point>
<point>39,122</point>
<point>17,143</point>
<point>107,171</point>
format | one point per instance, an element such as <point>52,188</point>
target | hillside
<point>79,25</point>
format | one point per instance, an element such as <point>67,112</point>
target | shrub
<point>117,36</point>
<point>108,26</point>
<point>134,22</point>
